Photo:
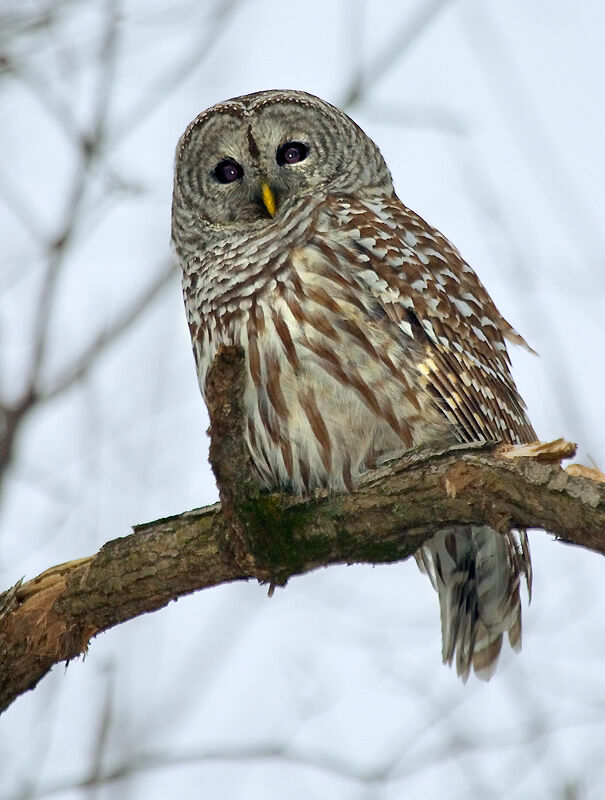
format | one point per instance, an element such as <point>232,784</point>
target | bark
<point>271,537</point>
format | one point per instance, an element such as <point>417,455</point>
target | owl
<point>364,330</point>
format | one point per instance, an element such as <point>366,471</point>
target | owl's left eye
<point>291,153</point>
<point>228,170</point>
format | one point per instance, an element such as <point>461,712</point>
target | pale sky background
<point>491,117</point>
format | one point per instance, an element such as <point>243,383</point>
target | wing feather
<point>433,295</point>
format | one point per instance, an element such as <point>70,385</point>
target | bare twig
<point>102,735</point>
<point>12,417</point>
<point>90,147</point>
<point>170,78</point>
<point>89,357</point>
<point>402,39</point>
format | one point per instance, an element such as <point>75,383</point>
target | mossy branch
<point>270,538</point>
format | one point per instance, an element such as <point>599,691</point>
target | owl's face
<point>246,161</point>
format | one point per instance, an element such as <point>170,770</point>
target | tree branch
<point>53,617</point>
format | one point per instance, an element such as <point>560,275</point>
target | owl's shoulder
<point>417,260</point>
<point>423,283</point>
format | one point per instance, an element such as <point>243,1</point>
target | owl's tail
<point>476,572</point>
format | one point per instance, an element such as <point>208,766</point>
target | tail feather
<point>476,572</point>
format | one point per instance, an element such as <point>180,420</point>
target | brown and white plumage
<point>365,331</point>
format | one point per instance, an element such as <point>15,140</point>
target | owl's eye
<point>291,153</point>
<point>228,170</point>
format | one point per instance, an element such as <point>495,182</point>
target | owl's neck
<point>225,265</point>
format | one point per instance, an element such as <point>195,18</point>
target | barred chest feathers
<point>332,380</point>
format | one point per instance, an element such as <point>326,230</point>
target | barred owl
<point>365,332</point>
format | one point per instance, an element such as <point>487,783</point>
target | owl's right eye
<point>228,170</point>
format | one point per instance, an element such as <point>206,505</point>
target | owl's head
<point>247,160</point>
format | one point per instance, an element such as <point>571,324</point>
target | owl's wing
<point>423,284</point>
<point>426,287</point>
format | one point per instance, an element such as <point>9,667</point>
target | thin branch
<point>103,734</point>
<point>90,147</point>
<point>170,78</point>
<point>15,200</point>
<point>53,617</point>
<point>403,38</point>
<point>89,357</point>
<point>12,417</point>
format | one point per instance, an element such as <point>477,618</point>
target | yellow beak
<point>268,198</point>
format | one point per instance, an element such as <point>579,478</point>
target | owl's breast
<point>331,380</point>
